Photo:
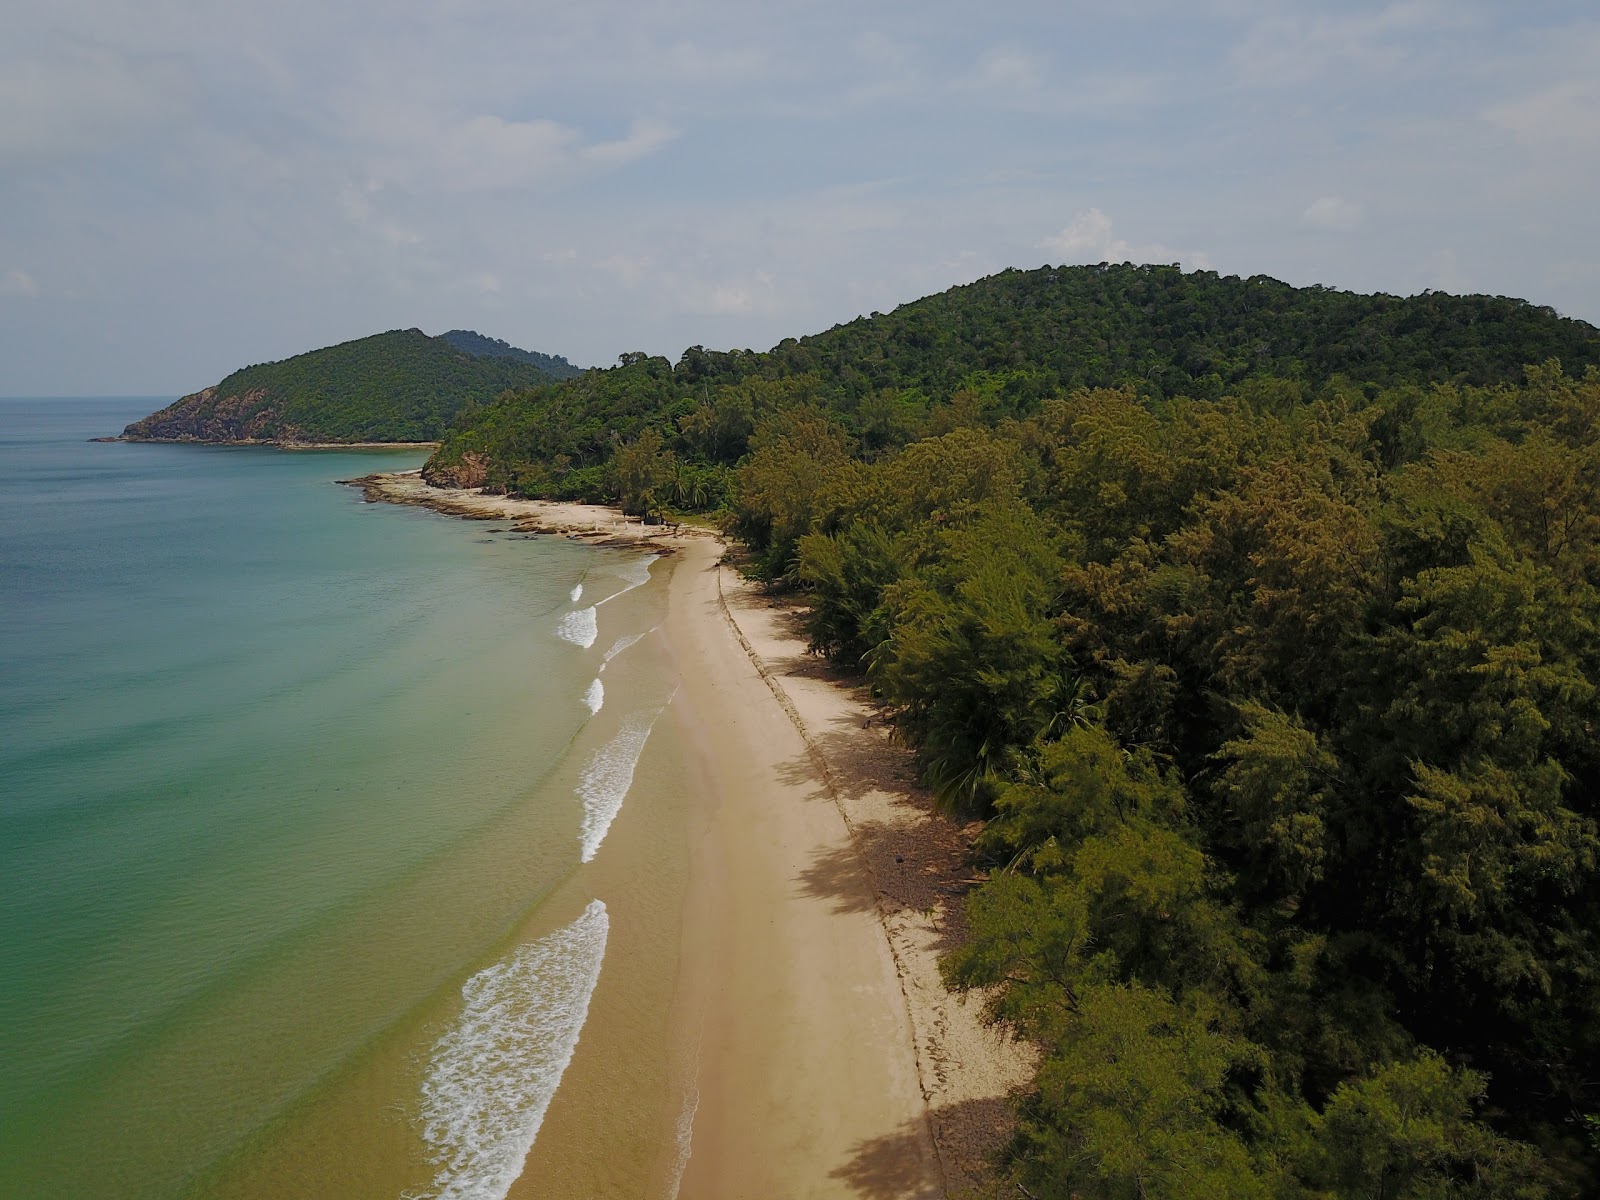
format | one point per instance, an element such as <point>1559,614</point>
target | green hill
<point>1001,346</point>
<point>400,386</point>
<point>480,346</point>
<point>1171,333</point>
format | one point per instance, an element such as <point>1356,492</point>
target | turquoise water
<point>282,777</point>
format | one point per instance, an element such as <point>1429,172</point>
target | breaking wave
<point>492,1076</point>
<point>577,592</point>
<point>621,644</point>
<point>580,627</point>
<point>606,780</point>
<point>595,696</point>
<point>635,574</point>
<point>685,1139</point>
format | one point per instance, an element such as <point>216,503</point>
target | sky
<point>187,187</point>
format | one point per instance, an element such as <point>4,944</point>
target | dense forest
<point>400,386</point>
<point>479,346</point>
<point>1262,626</point>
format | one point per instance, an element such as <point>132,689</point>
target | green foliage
<point>479,346</point>
<point>972,665</point>
<point>401,386</point>
<point>798,462</point>
<point>1135,1102</point>
<point>1407,1131</point>
<point>1010,346</point>
<point>1259,623</point>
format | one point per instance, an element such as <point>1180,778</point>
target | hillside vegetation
<point>480,346</point>
<point>1262,625</point>
<point>400,386</point>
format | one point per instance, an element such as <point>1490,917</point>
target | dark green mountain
<point>1171,333</point>
<point>479,346</point>
<point>400,386</point>
<point>1003,345</point>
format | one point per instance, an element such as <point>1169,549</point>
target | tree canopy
<point>1259,624</point>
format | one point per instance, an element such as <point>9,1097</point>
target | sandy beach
<point>830,1059</point>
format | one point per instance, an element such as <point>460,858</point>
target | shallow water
<point>328,867</point>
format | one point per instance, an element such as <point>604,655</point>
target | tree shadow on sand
<point>895,1166</point>
<point>971,1137</point>
<point>840,876</point>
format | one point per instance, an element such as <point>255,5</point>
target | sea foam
<point>685,1139</point>
<point>580,627</point>
<point>635,574</point>
<point>492,1076</point>
<point>621,644</point>
<point>595,696</point>
<point>606,780</point>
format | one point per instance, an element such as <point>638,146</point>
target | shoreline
<point>831,1060</point>
<point>597,524</point>
<point>273,443</point>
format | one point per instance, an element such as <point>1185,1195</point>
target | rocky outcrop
<point>207,416</point>
<point>471,470</point>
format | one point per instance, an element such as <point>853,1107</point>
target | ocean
<point>342,845</point>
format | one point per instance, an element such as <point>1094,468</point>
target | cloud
<point>1292,44</point>
<point>627,269</point>
<point>630,174</point>
<point>1089,238</point>
<point>360,205</point>
<point>17,282</point>
<point>645,137</point>
<point>84,99</point>
<point>1444,273</point>
<point>487,152</point>
<point>1332,214</point>
<point>1009,69</point>
<point>1088,233</point>
<point>1563,116</point>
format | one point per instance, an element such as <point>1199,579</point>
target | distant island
<point>399,386</point>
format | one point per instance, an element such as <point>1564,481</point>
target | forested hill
<point>998,348</point>
<point>1171,333</point>
<point>1261,627</point>
<point>480,346</point>
<point>400,386</point>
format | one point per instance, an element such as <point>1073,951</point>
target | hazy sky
<point>188,187</point>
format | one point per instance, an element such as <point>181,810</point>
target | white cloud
<point>1565,115</point>
<point>17,282</point>
<point>1088,233</point>
<point>1089,238</point>
<point>646,136</point>
<point>1332,214</point>
<point>488,153</point>
<point>629,270</point>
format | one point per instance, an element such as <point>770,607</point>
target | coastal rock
<point>207,416</point>
<point>471,470</point>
